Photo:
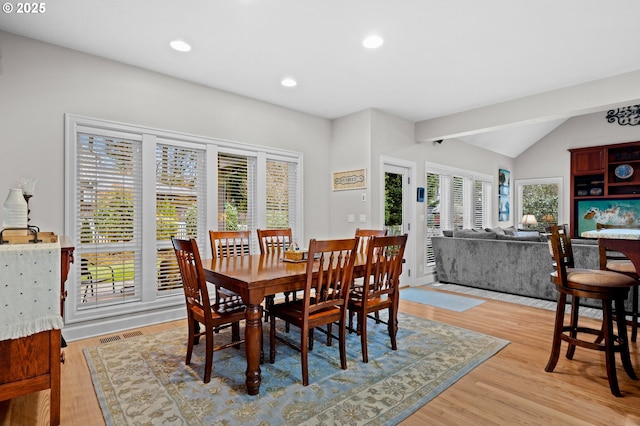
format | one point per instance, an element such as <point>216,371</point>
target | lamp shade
<point>529,219</point>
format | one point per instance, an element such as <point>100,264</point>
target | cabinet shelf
<point>593,169</point>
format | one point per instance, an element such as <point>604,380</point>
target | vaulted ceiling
<point>439,57</point>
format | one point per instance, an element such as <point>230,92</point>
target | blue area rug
<point>439,300</point>
<point>143,380</point>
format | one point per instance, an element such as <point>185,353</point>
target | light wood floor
<point>511,388</point>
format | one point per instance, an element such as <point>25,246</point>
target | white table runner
<point>29,289</point>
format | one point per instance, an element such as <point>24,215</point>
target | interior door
<point>397,210</point>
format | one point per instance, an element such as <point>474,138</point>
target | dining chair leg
<point>362,330</point>
<point>557,331</point>
<point>304,355</point>
<point>208,359</point>
<point>191,341</point>
<point>343,344</point>
<point>393,327</point>
<point>272,339</point>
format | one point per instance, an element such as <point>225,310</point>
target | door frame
<point>409,214</point>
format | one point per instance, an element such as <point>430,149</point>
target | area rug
<point>439,300</point>
<point>143,380</point>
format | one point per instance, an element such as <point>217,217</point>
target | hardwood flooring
<point>511,388</point>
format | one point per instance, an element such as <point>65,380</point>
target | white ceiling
<point>439,56</point>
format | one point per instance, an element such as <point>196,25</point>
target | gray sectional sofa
<point>515,264</point>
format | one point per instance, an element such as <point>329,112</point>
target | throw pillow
<point>448,233</point>
<point>511,230</point>
<point>498,230</point>
<point>470,233</point>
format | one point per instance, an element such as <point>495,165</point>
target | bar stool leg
<point>634,312</point>
<point>609,350</point>
<point>624,341</point>
<point>557,331</point>
<point>575,314</point>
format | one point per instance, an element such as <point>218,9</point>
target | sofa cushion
<point>498,230</point>
<point>510,230</point>
<point>520,238</point>
<point>470,233</point>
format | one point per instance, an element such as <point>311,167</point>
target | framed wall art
<point>352,179</point>
<point>504,193</point>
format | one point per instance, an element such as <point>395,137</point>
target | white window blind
<point>180,206</point>
<point>108,218</point>
<point>456,199</point>
<point>282,196</point>
<point>236,192</point>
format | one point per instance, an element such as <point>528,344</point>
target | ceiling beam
<point>585,98</point>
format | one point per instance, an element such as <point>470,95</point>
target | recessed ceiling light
<point>373,42</point>
<point>180,45</point>
<point>289,82</point>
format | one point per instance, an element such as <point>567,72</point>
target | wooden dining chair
<point>380,288</point>
<point>229,244</point>
<point>615,261</point>
<point>276,242</point>
<point>326,295</point>
<point>199,308</point>
<point>363,236</point>
<point>608,287</point>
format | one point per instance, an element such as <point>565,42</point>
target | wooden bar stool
<point>608,287</point>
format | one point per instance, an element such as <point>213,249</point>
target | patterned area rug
<point>144,380</point>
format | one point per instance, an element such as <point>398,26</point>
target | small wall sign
<point>352,179</point>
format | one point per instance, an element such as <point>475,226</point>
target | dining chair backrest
<point>230,243</point>
<point>274,240</point>
<point>364,235</point>
<point>561,250</point>
<point>192,273</point>
<point>384,266</point>
<point>329,271</point>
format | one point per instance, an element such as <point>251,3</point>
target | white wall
<point>351,150</point>
<point>550,156</point>
<point>40,82</point>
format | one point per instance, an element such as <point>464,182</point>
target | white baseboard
<point>99,327</point>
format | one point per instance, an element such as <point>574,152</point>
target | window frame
<point>150,303</point>
<point>519,183</point>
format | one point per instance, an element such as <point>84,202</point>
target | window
<point>282,196</point>
<point>541,198</point>
<point>131,189</point>
<point>180,206</point>
<point>455,199</point>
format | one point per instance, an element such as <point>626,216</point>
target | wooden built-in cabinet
<point>593,175</point>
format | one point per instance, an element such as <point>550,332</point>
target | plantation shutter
<point>482,204</point>
<point>434,213</point>
<point>282,196</point>
<point>236,192</point>
<point>180,206</point>
<point>108,218</point>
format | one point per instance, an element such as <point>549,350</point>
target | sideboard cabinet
<point>602,173</point>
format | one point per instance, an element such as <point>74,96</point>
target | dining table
<point>623,240</point>
<point>254,277</point>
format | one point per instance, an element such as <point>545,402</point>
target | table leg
<point>253,346</point>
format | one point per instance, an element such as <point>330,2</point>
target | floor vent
<point>132,334</point>
<point>109,339</point>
